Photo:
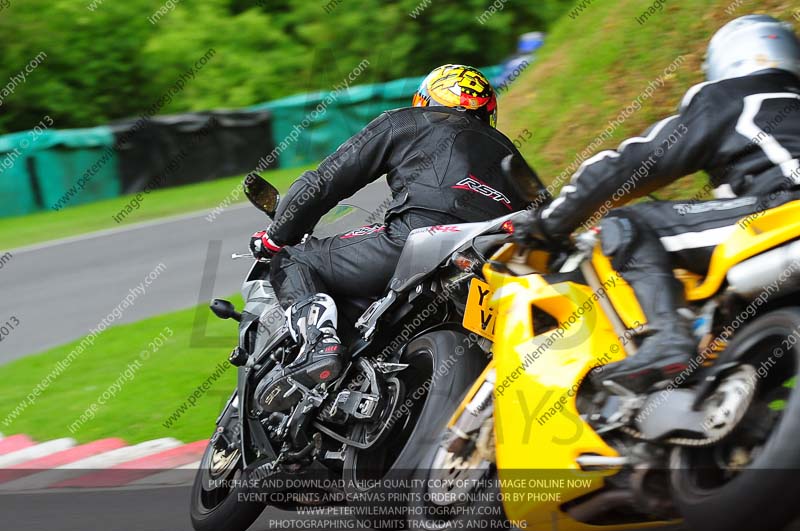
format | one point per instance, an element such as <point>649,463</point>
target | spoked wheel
<point>749,479</point>
<point>442,367</point>
<point>216,502</point>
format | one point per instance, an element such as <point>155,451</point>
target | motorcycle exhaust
<point>601,462</point>
<point>779,266</point>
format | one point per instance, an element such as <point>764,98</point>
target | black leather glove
<point>528,229</point>
<point>262,246</point>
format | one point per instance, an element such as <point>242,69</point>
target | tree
<point>107,60</point>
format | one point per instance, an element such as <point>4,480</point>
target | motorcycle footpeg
<point>238,357</point>
<point>390,368</point>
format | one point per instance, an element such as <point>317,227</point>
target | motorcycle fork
<point>593,280</point>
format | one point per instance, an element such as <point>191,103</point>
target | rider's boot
<point>667,351</point>
<point>312,324</point>
<point>637,253</point>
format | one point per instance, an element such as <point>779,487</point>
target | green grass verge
<point>43,226</point>
<point>142,400</point>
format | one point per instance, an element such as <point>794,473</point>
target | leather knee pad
<point>632,244</point>
<point>618,237</point>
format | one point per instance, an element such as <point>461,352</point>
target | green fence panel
<point>17,190</point>
<point>56,169</point>
<point>78,166</point>
<point>309,127</point>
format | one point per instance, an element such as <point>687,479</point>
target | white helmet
<point>749,44</point>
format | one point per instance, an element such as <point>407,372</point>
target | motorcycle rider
<point>441,158</point>
<point>742,126</point>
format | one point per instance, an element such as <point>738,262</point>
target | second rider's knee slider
<point>617,237</point>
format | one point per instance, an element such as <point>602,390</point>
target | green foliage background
<point>110,62</point>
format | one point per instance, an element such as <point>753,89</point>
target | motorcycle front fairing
<point>539,432</point>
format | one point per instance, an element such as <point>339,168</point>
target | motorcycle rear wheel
<point>381,473</point>
<point>749,479</point>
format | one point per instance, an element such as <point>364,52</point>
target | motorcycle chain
<point>680,441</point>
<point>708,441</point>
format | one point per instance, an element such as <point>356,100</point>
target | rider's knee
<point>277,268</point>
<point>277,264</point>
<point>619,233</point>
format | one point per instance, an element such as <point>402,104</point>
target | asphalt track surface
<point>58,291</point>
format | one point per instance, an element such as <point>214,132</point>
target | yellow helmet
<point>459,86</point>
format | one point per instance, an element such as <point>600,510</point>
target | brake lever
<point>236,256</point>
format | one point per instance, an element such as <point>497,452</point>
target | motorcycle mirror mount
<point>527,182</point>
<point>225,310</point>
<point>261,193</point>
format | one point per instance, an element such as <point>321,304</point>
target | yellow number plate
<point>479,316</point>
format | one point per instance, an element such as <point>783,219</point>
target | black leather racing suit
<point>443,167</point>
<point>745,133</point>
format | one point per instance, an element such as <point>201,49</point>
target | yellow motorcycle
<point>536,445</point>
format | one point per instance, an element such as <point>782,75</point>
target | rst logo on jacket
<point>473,184</point>
<point>363,231</point>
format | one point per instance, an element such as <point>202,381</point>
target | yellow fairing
<point>751,236</point>
<point>620,293</point>
<point>539,434</point>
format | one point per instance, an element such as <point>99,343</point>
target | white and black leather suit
<point>745,133</point>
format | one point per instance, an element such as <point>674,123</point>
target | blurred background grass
<point>594,65</point>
